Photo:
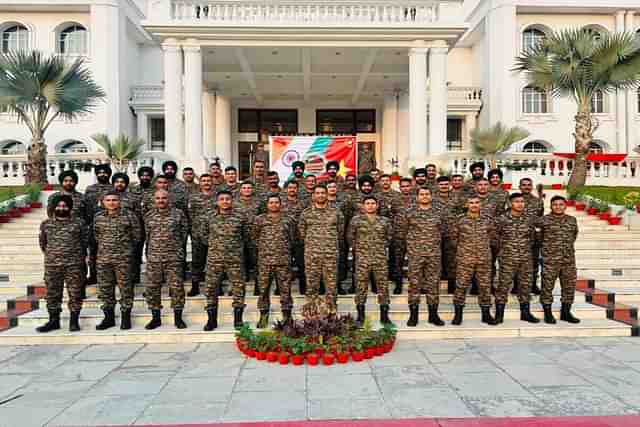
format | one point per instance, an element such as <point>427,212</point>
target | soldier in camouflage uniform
<point>249,204</point>
<point>516,235</point>
<point>128,200</point>
<point>166,229</point>
<point>321,228</point>
<point>259,178</point>
<point>488,205</point>
<point>217,179</point>
<point>307,188</point>
<point>63,240</point>
<point>227,230</point>
<point>406,201</point>
<point>558,234</point>
<point>350,183</point>
<point>442,200</point>
<point>68,181</point>
<point>473,236</point>
<point>142,191</point>
<point>431,175</point>
<point>534,208</point>
<point>298,168</point>
<point>273,233</point>
<point>477,172</point>
<point>231,181</point>
<point>499,195</point>
<point>93,196</point>
<point>199,206</point>
<point>294,207</point>
<point>337,201</point>
<point>423,228</point>
<point>189,180</point>
<point>176,186</point>
<point>273,183</point>
<point>369,234</point>
<point>114,236</point>
<point>458,201</point>
<point>333,167</point>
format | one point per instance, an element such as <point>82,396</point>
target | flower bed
<point>327,340</point>
<point>17,205</point>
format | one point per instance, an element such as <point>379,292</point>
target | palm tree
<point>490,143</point>
<point>579,63</point>
<point>121,151</point>
<point>39,89</point>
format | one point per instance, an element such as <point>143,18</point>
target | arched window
<point>15,37</point>
<point>596,147</point>
<point>597,102</point>
<point>73,147</point>
<point>531,37</point>
<point>12,148</point>
<point>535,147</point>
<point>534,101</point>
<point>73,40</point>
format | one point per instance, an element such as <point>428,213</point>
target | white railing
<point>150,94</point>
<point>306,12</point>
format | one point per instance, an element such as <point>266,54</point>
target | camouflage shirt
<point>423,230</point>
<point>175,201</point>
<point>274,236</point>
<point>226,236</point>
<point>200,205</point>
<point>370,237</point>
<point>474,237</point>
<point>79,210</point>
<point>321,229</point>
<point>132,202</point>
<point>93,195</point>
<point>63,241</point>
<point>500,197</point>
<point>386,201</point>
<point>143,196</point>
<point>558,234</point>
<point>166,232</point>
<point>114,236</point>
<point>515,235</point>
<point>533,206</point>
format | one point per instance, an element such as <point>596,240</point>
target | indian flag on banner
<point>315,152</point>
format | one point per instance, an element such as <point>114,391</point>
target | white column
<point>417,106</point>
<point>143,128</point>
<point>621,100</point>
<point>470,124</point>
<point>403,132</point>
<point>173,129</point>
<point>223,129</point>
<point>438,98</point>
<point>389,146</point>
<point>631,100</point>
<point>193,105</point>
<point>209,124</point>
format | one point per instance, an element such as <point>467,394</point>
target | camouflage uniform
<point>141,193</point>
<point>114,239</point>
<point>423,230</point>
<point>500,198</point>
<point>217,184</point>
<point>370,238</point>
<point>176,200</point>
<point>294,211</point>
<point>399,242</point>
<point>321,229</point>
<point>534,208</point>
<point>558,235</point>
<point>64,243</point>
<point>79,210</point>
<point>516,236</point>
<point>273,235</point>
<point>190,187</point>
<point>166,232</point>
<point>93,196</point>
<point>473,237</point>
<point>200,205</point>
<point>250,208</point>
<point>342,204</point>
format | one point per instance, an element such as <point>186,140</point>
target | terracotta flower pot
<point>379,350</point>
<point>25,209</point>
<point>251,352</point>
<point>556,186</point>
<point>580,206</point>
<point>36,205</point>
<point>614,220</point>
<point>4,218</point>
<point>387,346</point>
<point>261,355</point>
<point>369,352</point>
<point>357,356</point>
<point>283,358</point>
<point>342,357</point>
<point>297,359</point>
<point>638,208</point>
<point>319,351</point>
<point>14,213</point>
<point>328,359</point>
<point>604,216</point>
<point>313,359</point>
<point>592,211</point>
<point>272,357</point>
<point>570,202</point>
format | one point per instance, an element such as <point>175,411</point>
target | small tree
<point>490,143</point>
<point>121,151</point>
<point>39,89</point>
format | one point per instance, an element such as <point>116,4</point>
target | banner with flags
<point>315,152</point>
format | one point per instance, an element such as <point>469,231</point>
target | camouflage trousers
<point>514,268</point>
<point>111,275</point>
<point>321,267</point>
<point>136,262</point>
<point>567,274</point>
<point>215,275</point>
<point>399,251</point>
<point>424,273</point>
<point>159,273</point>
<point>298,258</point>
<point>55,277</point>
<point>535,263</point>
<point>449,258</point>
<point>364,269</point>
<point>198,260</point>
<point>466,268</point>
<point>282,276</point>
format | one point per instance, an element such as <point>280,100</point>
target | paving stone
<point>108,352</point>
<point>425,402</point>
<point>29,414</point>
<point>279,380</point>
<point>622,352</point>
<point>170,348</point>
<point>203,390</point>
<point>349,386</point>
<point>399,377</point>
<point>337,408</point>
<point>157,361</point>
<point>9,352</point>
<point>616,379</point>
<point>83,370</point>
<point>544,376</point>
<point>10,383</point>
<point>351,368</point>
<point>503,406</point>
<point>131,382</point>
<point>103,410</point>
<point>461,362</point>
<point>256,406</point>
<point>40,359</point>
<point>577,401</point>
<point>485,384</point>
<point>201,367</point>
<point>442,346</point>
<point>399,358</point>
<point>182,413</point>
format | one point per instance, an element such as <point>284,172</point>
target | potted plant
<point>617,218</point>
<point>243,335</point>
<point>4,216</point>
<point>340,350</point>
<point>261,347</point>
<point>297,351</point>
<point>580,205</point>
<point>328,358</point>
<point>605,212</point>
<point>357,350</point>
<point>556,186</point>
<point>33,192</point>
<point>632,200</point>
<point>312,357</point>
<point>594,207</point>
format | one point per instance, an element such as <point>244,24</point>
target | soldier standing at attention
<point>473,236</point>
<point>217,180</point>
<point>226,232</point>
<point>128,200</point>
<point>68,181</point>
<point>534,208</point>
<point>423,228</point>
<point>431,174</point>
<point>189,179</point>
<point>558,234</point>
<point>273,183</point>
<point>419,178</point>
<point>115,233</point>
<point>142,190</point>
<point>516,235</point>
<point>369,234</point>
<point>273,233</point>
<point>488,206</point>
<point>375,174</point>
<point>249,205</point>
<point>200,205</point>
<point>63,240</point>
<point>442,194</point>
<point>231,181</point>
<point>297,168</point>
<point>336,201</point>
<point>477,171</point>
<point>176,186</point>
<point>321,227</point>
<point>457,193</point>
<point>500,196</point>
<point>350,183</point>
<point>166,229</point>
<point>406,201</point>
<point>387,196</point>
<point>93,196</point>
<point>332,167</point>
<point>294,208</point>
<point>259,178</point>
<point>309,184</point>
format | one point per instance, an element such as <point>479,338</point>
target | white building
<point>200,79</point>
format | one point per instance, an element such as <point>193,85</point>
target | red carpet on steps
<point>615,421</point>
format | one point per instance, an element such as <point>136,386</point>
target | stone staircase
<point>606,263</point>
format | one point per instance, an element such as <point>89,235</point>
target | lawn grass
<point>612,195</point>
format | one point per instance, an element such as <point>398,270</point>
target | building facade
<point>200,79</point>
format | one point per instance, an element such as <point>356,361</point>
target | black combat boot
<point>74,321</point>
<point>565,314</point>
<point>83,291</point>
<point>487,317</point>
<point>286,316</point>
<point>52,324</point>
<point>499,313</point>
<point>451,286</point>
<point>109,320</point>
<point>177,319</point>
<point>361,317</point>
<point>264,319</point>
<point>195,288</point>
<point>413,315</point>
<point>525,313</point>
<point>433,315</point>
<point>212,319</point>
<point>156,320</point>
<point>548,314</point>
<point>125,319</point>
<point>384,315</point>
<point>457,318</point>
<point>237,317</point>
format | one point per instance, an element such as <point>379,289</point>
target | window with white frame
<point>531,37</point>
<point>597,102</point>
<point>535,147</point>
<point>534,101</point>
<point>14,38</point>
<point>73,147</point>
<point>12,148</point>
<point>156,134</point>
<point>73,40</point>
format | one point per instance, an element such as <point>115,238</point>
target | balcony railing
<point>150,94</point>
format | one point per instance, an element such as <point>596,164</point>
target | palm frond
<point>496,139</point>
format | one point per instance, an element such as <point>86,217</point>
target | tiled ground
<point>190,383</point>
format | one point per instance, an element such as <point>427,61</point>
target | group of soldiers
<point>471,233</point>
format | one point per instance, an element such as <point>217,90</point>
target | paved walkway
<point>196,383</point>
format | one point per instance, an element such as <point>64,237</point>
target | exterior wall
<point>459,70</point>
